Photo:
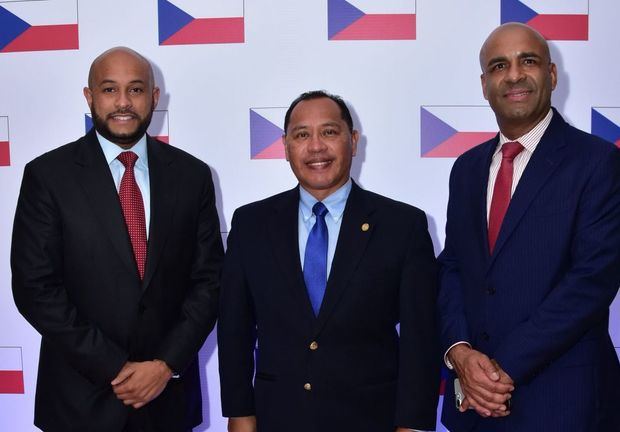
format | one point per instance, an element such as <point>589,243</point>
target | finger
<point>138,405</point>
<point>489,367</point>
<point>483,399</point>
<point>464,405</point>
<point>125,373</point>
<point>483,381</point>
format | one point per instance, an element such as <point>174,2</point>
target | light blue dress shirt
<point>141,170</point>
<point>335,204</point>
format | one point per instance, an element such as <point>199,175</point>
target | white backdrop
<point>413,99</point>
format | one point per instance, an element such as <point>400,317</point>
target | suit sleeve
<point>452,322</point>
<point>38,285</point>
<point>418,376</point>
<point>236,332</point>
<point>199,309</point>
<point>582,297</point>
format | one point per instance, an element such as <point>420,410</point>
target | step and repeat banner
<point>228,69</point>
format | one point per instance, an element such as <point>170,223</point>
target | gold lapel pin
<point>365,226</point>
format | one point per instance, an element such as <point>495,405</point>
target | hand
<point>242,424</point>
<point>138,383</point>
<point>485,385</point>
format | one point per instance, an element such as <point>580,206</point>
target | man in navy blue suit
<point>532,259</point>
<point>324,309</point>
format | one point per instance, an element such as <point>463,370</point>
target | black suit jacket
<point>75,280</point>
<point>361,375</point>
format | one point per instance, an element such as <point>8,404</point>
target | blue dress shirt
<point>141,170</point>
<point>335,204</point>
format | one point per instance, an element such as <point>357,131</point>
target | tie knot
<point>128,158</point>
<point>319,209</point>
<point>510,150</point>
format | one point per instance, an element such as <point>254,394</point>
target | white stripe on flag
<point>4,128</point>
<point>44,12</point>
<point>466,118</point>
<point>211,8</point>
<point>10,358</point>
<point>556,7</point>
<point>385,6</point>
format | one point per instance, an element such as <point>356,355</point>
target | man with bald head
<point>116,257</point>
<point>531,260</point>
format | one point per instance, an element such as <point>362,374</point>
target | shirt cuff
<point>445,356</point>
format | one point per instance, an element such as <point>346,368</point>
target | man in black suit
<point>329,355</point>
<point>116,258</point>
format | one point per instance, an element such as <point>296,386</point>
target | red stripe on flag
<point>561,27</point>
<point>459,143</point>
<point>43,38</point>
<point>209,30</point>
<point>5,157</point>
<point>275,150</point>
<point>163,138</point>
<point>618,143</point>
<point>12,382</point>
<point>380,27</point>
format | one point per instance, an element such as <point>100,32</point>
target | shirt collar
<point>111,150</point>
<point>531,139</point>
<point>335,202</point>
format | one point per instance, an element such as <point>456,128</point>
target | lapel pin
<point>365,226</point>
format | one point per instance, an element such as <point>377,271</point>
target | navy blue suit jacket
<point>540,303</point>
<point>363,377</point>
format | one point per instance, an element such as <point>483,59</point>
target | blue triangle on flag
<point>340,15</point>
<point>171,19</point>
<point>434,131</point>
<point>88,122</point>
<point>11,26</point>
<point>515,11</point>
<point>263,133</point>
<point>604,128</point>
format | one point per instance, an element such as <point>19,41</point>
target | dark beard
<point>120,139</point>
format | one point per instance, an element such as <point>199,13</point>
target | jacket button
<point>314,345</point>
<point>307,386</point>
<point>485,336</point>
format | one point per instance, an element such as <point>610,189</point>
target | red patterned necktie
<point>501,191</point>
<point>133,209</point>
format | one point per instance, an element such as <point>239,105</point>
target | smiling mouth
<point>318,165</point>
<point>122,117</point>
<point>517,94</point>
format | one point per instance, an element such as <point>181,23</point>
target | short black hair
<point>318,94</point>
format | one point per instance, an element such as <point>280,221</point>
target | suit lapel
<point>96,179</point>
<point>163,198</point>
<point>480,184</point>
<point>544,161</point>
<point>284,236</point>
<point>352,242</point>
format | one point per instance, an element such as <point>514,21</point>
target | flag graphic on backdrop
<point>38,25</point>
<point>606,123</point>
<point>266,130</point>
<point>11,370</point>
<point>450,130</point>
<point>5,155</point>
<point>555,20</point>
<point>371,19</point>
<point>157,129</point>
<point>183,22</point>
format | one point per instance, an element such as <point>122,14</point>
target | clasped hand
<point>485,385</point>
<point>138,383</point>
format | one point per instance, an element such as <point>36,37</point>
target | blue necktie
<point>315,260</point>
